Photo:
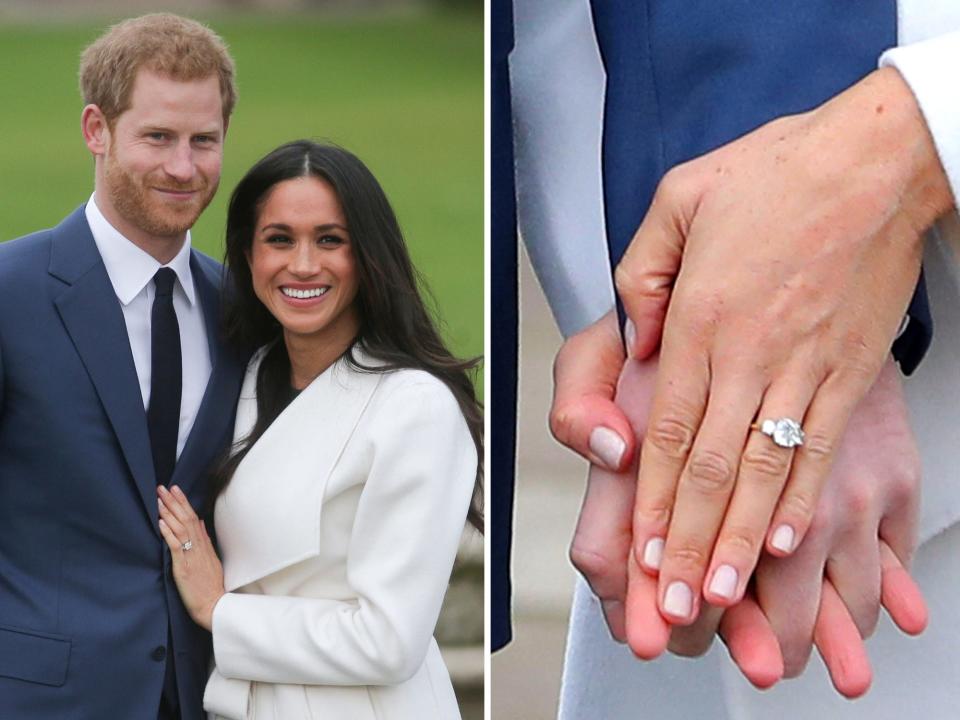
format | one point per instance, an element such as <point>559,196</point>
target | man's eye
<point>203,139</point>
<point>157,136</point>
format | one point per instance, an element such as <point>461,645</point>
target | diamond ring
<point>785,432</point>
<point>187,545</point>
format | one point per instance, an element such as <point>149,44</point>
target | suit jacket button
<point>159,653</point>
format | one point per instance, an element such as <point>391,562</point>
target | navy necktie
<point>163,414</point>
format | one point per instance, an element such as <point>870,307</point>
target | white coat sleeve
<point>404,541</point>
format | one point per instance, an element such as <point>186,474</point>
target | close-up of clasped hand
<point>743,220</point>
<point>757,476</point>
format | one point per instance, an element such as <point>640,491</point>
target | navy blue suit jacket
<point>86,593</point>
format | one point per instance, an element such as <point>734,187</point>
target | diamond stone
<point>784,431</point>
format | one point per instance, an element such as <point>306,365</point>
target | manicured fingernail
<point>724,582</point>
<point>678,600</point>
<point>630,336</point>
<point>608,446</point>
<point>783,538</point>
<point>653,553</point>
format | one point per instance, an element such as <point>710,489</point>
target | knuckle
<point>766,461</point>
<point>861,368</point>
<point>905,486</point>
<point>561,424</point>
<point>741,541</point>
<point>906,479</point>
<point>798,505</point>
<point>674,185</point>
<point>653,514</point>
<point>819,447</point>
<point>710,473</point>
<point>687,556</point>
<point>672,434</point>
<point>632,281</point>
<point>597,569</point>
<point>624,278</point>
<point>858,498</point>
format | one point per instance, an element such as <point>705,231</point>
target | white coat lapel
<point>269,516</point>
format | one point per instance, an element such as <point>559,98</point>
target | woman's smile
<point>302,263</point>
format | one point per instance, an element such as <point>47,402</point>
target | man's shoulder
<point>206,262</point>
<point>24,253</point>
<point>211,269</point>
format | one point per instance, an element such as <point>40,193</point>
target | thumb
<point>583,415</point>
<point>646,273</point>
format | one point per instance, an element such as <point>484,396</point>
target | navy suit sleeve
<point>2,376</point>
<point>503,323</point>
<point>912,345</point>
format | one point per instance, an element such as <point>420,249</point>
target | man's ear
<point>96,131</point>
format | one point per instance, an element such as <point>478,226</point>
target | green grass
<point>404,93</point>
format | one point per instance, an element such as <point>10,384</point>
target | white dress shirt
<point>131,272</point>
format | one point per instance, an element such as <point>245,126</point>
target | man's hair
<point>169,45</point>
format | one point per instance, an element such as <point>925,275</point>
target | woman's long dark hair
<point>395,327</point>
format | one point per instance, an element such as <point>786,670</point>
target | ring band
<point>785,432</point>
<point>187,545</point>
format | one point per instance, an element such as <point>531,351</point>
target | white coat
<point>338,533</point>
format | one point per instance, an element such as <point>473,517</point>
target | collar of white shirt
<point>129,267</point>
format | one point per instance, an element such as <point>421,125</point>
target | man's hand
<point>800,247</point>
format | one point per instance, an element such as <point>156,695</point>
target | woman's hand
<point>800,246</point>
<point>196,567</point>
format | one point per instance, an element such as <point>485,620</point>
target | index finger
<point>177,502</point>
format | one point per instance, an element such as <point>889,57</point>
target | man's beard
<point>139,204</point>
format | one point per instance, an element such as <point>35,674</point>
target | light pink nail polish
<point>783,538</point>
<point>724,582</point>
<point>653,553</point>
<point>608,446</point>
<point>678,600</point>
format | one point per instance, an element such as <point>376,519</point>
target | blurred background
<point>398,82</point>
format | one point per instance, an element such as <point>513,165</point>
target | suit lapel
<point>94,320</point>
<point>282,480</point>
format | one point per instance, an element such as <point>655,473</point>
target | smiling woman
<point>304,271</point>
<point>100,405</point>
<point>352,411</point>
